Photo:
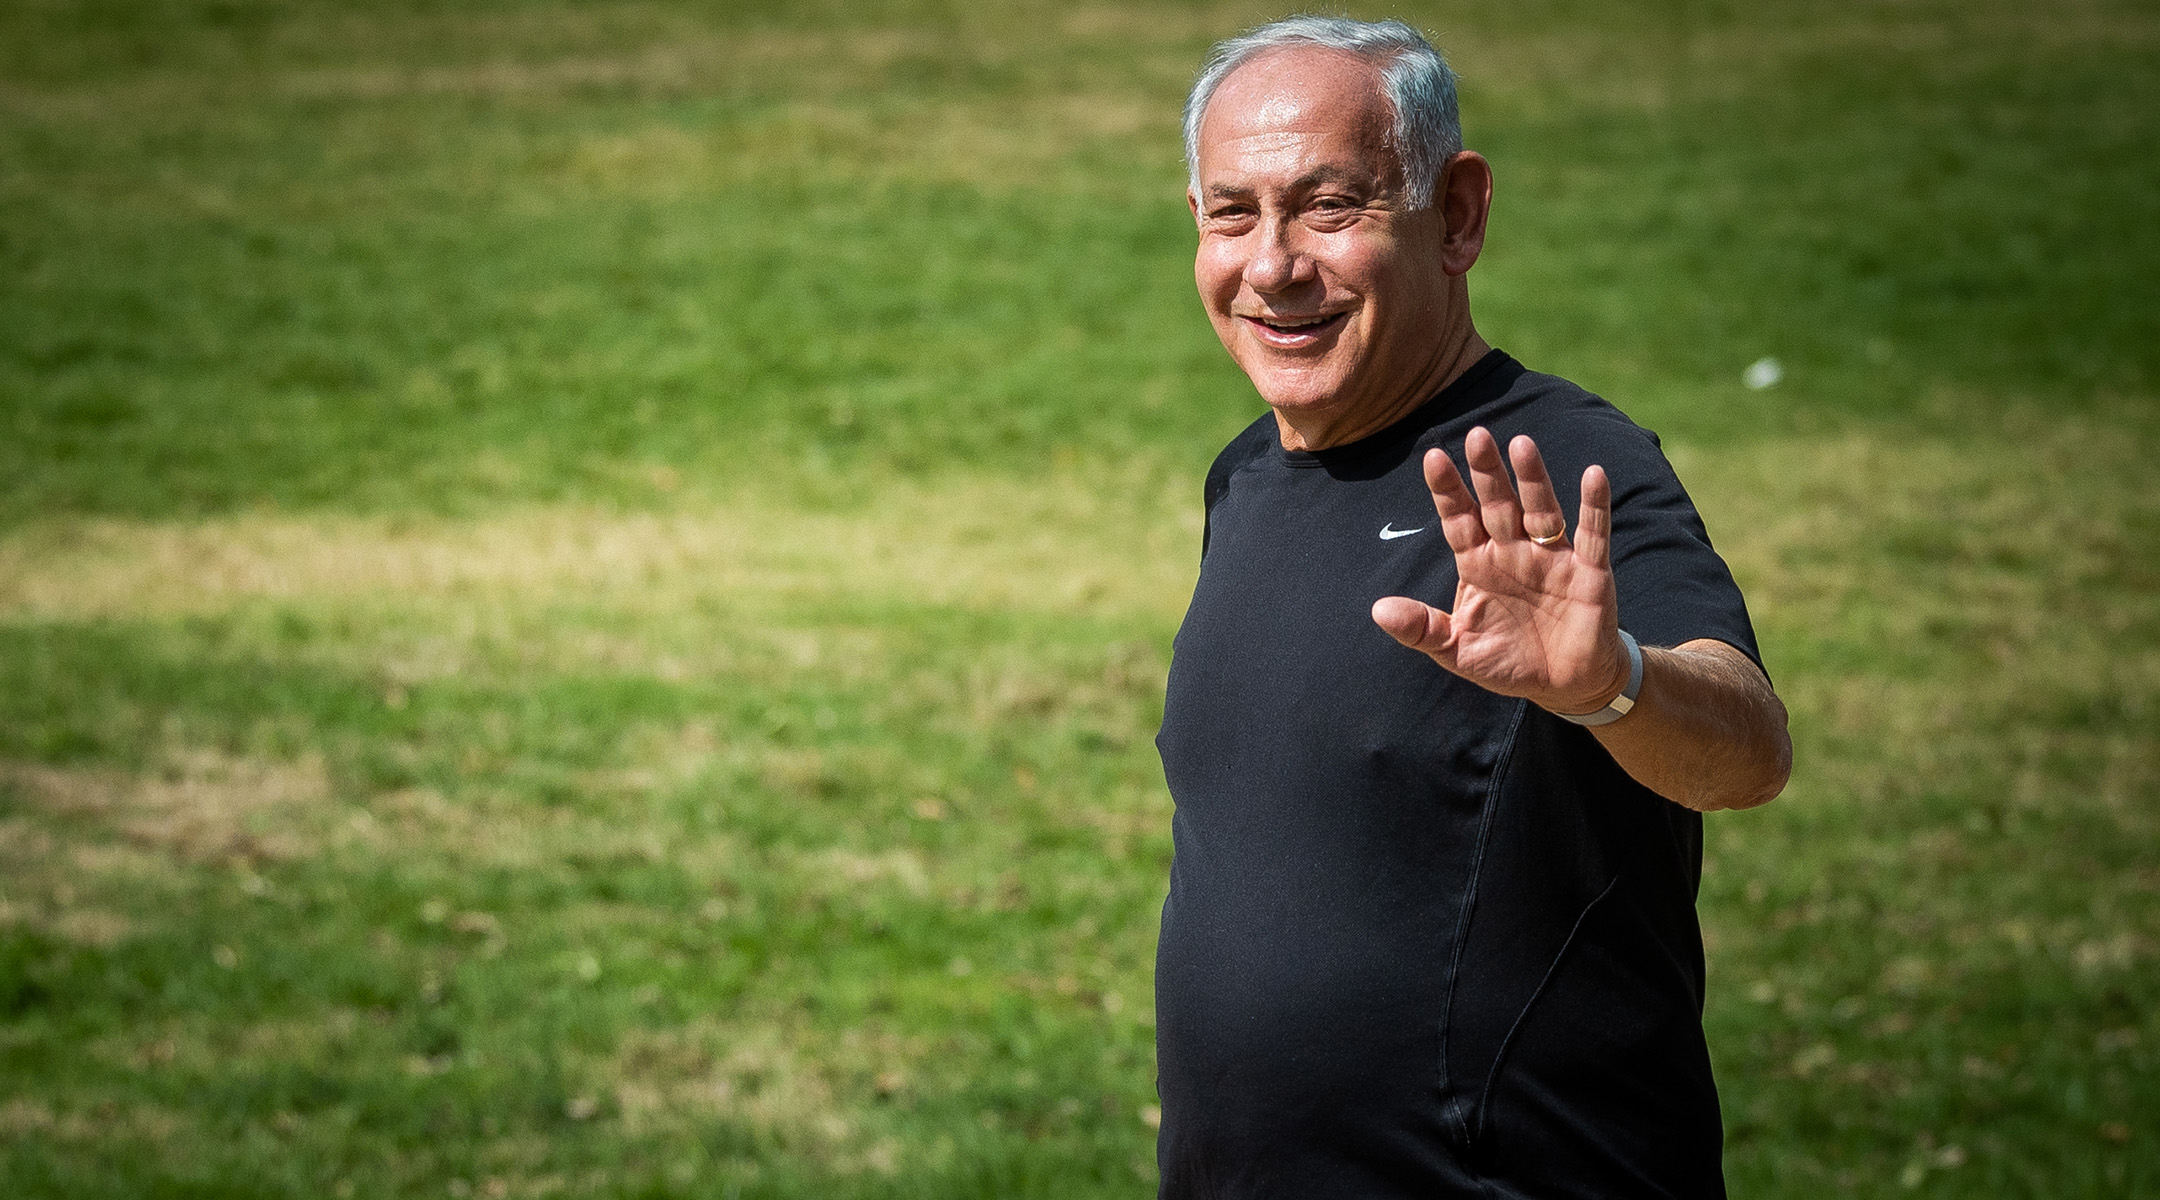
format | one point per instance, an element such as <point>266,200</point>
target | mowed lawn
<point>584,588</point>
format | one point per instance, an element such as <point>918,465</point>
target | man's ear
<point>1464,199</point>
<point>1192,201</point>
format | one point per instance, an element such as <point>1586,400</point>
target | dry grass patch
<point>837,871</point>
<point>486,827</point>
<point>199,807</point>
<point>188,1046</point>
<point>814,1100</point>
<point>88,836</point>
<point>93,847</point>
<point>24,1118</point>
<point>1927,538</point>
<point>1057,545</point>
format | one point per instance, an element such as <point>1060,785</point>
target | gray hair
<point>1416,81</point>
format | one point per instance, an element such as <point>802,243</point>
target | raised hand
<point>1535,613</point>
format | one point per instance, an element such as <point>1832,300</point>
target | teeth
<point>1287,325</point>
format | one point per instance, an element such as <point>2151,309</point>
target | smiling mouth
<point>1295,330</point>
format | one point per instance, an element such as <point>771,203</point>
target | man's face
<point>1321,284</point>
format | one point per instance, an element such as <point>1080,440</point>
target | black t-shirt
<point>1422,939</point>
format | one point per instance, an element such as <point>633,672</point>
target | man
<point>1431,925</point>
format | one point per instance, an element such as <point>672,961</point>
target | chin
<point>1299,393</point>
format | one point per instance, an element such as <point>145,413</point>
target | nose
<point>1278,263</point>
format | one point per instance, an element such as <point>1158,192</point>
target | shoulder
<point>1251,442</point>
<point>1573,427</point>
<point>1563,415</point>
<point>1503,395</point>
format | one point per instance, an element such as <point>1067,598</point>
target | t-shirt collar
<point>1463,392</point>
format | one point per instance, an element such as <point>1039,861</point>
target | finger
<point>1541,515</point>
<point>1458,509</point>
<point>1593,524</point>
<point>1416,625</point>
<point>1495,492</point>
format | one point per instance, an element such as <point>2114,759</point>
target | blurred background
<point>585,587</point>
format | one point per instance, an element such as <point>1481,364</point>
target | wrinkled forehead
<point>1299,92</point>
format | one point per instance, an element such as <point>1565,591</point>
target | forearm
<point>1706,732</point>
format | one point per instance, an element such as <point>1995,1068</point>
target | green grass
<point>519,674</point>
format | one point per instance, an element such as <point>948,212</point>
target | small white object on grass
<point>1763,373</point>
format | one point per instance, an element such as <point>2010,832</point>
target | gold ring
<point>1551,539</point>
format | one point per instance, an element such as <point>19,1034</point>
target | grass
<point>584,588</point>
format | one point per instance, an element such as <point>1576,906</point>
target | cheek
<point>1412,295</point>
<point>1357,261</point>
<point>1217,271</point>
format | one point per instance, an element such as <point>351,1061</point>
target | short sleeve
<point>1673,585</point>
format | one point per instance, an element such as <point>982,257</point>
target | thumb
<point>1416,625</point>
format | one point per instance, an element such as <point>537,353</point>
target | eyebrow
<point>1312,178</point>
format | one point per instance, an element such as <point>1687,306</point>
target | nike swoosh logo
<point>1389,533</point>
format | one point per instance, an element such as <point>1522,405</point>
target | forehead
<point>1295,97</point>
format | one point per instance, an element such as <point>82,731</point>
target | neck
<point>1322,430</point>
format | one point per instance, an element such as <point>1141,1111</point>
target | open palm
<point>1535,617</point>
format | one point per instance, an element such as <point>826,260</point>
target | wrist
<point>1621,703</point>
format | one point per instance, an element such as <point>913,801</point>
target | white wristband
<point>1623,703</point>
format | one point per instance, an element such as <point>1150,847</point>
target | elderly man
<point>1431,925</point>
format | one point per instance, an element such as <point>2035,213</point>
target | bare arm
<point>1706,729</point>
<point>1541,621</point>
